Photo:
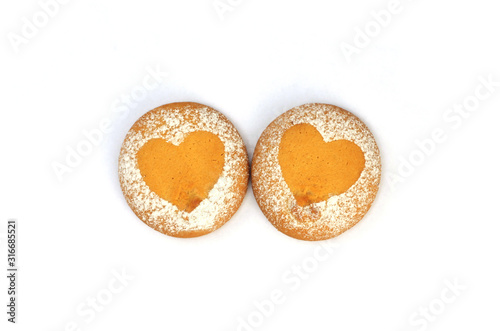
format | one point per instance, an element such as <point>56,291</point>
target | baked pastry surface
<point>316,171</point>
<point>183,169</point>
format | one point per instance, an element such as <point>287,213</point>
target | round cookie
<point>183,169</point>
<point>315,171</point>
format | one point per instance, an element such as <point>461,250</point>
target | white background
<point>436,225</point>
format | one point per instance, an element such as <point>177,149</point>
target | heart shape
<point>315,170</point>
<point>183,174</point>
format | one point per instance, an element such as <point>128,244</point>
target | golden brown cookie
<point>183,169</point>
<point>316,171</point>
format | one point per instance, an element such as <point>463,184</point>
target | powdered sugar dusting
<point>173,124</point>
<point>328,218</point>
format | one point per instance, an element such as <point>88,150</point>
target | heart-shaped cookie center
<point>184,174</point>
<point>315,170</point>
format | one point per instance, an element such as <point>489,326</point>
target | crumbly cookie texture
<point>173,122</point>
<point>325,219</point>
